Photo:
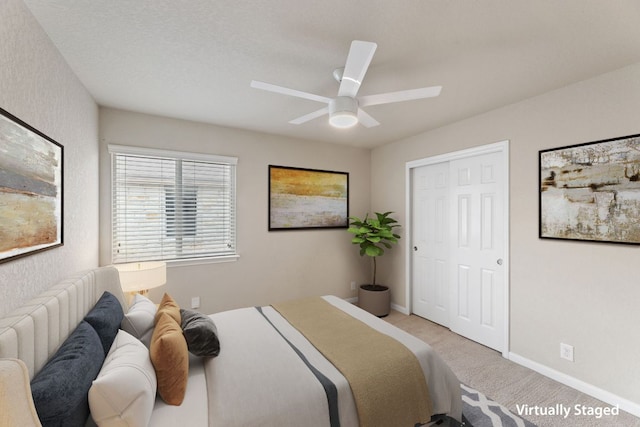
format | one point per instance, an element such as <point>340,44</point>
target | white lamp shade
<point>142,276</point>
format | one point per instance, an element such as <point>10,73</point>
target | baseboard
<point>396,307</point>
<point>400,308</point>
<point>607,397</point>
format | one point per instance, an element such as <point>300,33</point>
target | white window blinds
<point>169,205</point>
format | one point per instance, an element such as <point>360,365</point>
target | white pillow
<point>124,392</point>
<point>139,320</point>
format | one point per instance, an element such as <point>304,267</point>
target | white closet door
<point>477,249</point>
<point>430,244</point>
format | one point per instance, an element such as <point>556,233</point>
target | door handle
<point>499,261</point>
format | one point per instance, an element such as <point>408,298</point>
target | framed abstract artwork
<point>31,189</point>
<point>307,198</point>
<point>591,191</point>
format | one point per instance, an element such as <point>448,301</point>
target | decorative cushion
<point>170,359</point>
<point>139,320</point>
<point>105,317</point>
<point>16,403</point>
<point>169,306</point>
<point>60,390</point>
<point>125,391</point>
<point>200,333</point>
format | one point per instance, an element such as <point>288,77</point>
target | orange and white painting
<point>30,189</point>
<point>307,198</point>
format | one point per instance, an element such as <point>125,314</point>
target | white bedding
<point>193,411</point>
<point>258,379</point>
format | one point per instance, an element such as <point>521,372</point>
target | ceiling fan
<point>345,110</point>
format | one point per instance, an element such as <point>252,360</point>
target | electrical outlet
<point>566,352</point>
<point>353,286</point>
<point>195,302</point>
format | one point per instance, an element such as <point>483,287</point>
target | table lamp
<point>139,277</point>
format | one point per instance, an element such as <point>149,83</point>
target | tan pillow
<point>169,306</point>
<point>170,359</point>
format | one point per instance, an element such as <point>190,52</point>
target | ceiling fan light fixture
<point>344,119</point>
<point>343,112</point>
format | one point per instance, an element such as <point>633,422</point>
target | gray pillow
<point>105,317</point>
<point>200,333</point>
<point>60,390</point>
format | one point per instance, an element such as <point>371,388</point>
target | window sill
<point>199,261</point>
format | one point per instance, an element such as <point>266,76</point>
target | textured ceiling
<point>195,59</point>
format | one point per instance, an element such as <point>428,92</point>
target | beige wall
<point>37,86</point>
<point>583,294</point>
<point>273,265</point>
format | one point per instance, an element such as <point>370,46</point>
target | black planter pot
<point>376,299</point>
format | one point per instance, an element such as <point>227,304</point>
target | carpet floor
<point>508,383</point>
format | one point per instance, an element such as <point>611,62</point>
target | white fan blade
<point>310,116</point>
<point>366,120</point>
<point>403,95</point>
<point>286,91</point>
<point>358,60</point>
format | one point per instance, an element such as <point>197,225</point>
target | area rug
<point>480,411</point>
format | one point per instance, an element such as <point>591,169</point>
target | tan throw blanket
<point>386,379</point>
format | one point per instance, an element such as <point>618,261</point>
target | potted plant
<point>371,235</point>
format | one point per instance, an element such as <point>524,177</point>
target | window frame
<point>115,149</point>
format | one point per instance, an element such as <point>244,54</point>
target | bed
<point>267,372</point>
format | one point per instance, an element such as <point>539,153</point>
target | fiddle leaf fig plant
<point>373,235</point>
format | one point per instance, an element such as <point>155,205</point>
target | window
<point>169,205</point>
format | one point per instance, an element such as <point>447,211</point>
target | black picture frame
<point>31,190</point>
<point>591,191</point>
<point>303,199</point>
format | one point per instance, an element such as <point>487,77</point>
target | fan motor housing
<point>343,111</point>
<point>343,103</point>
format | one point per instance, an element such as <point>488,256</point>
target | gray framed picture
<point>591,191</point>
<point>307,198</point>
<point>31,190</point>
